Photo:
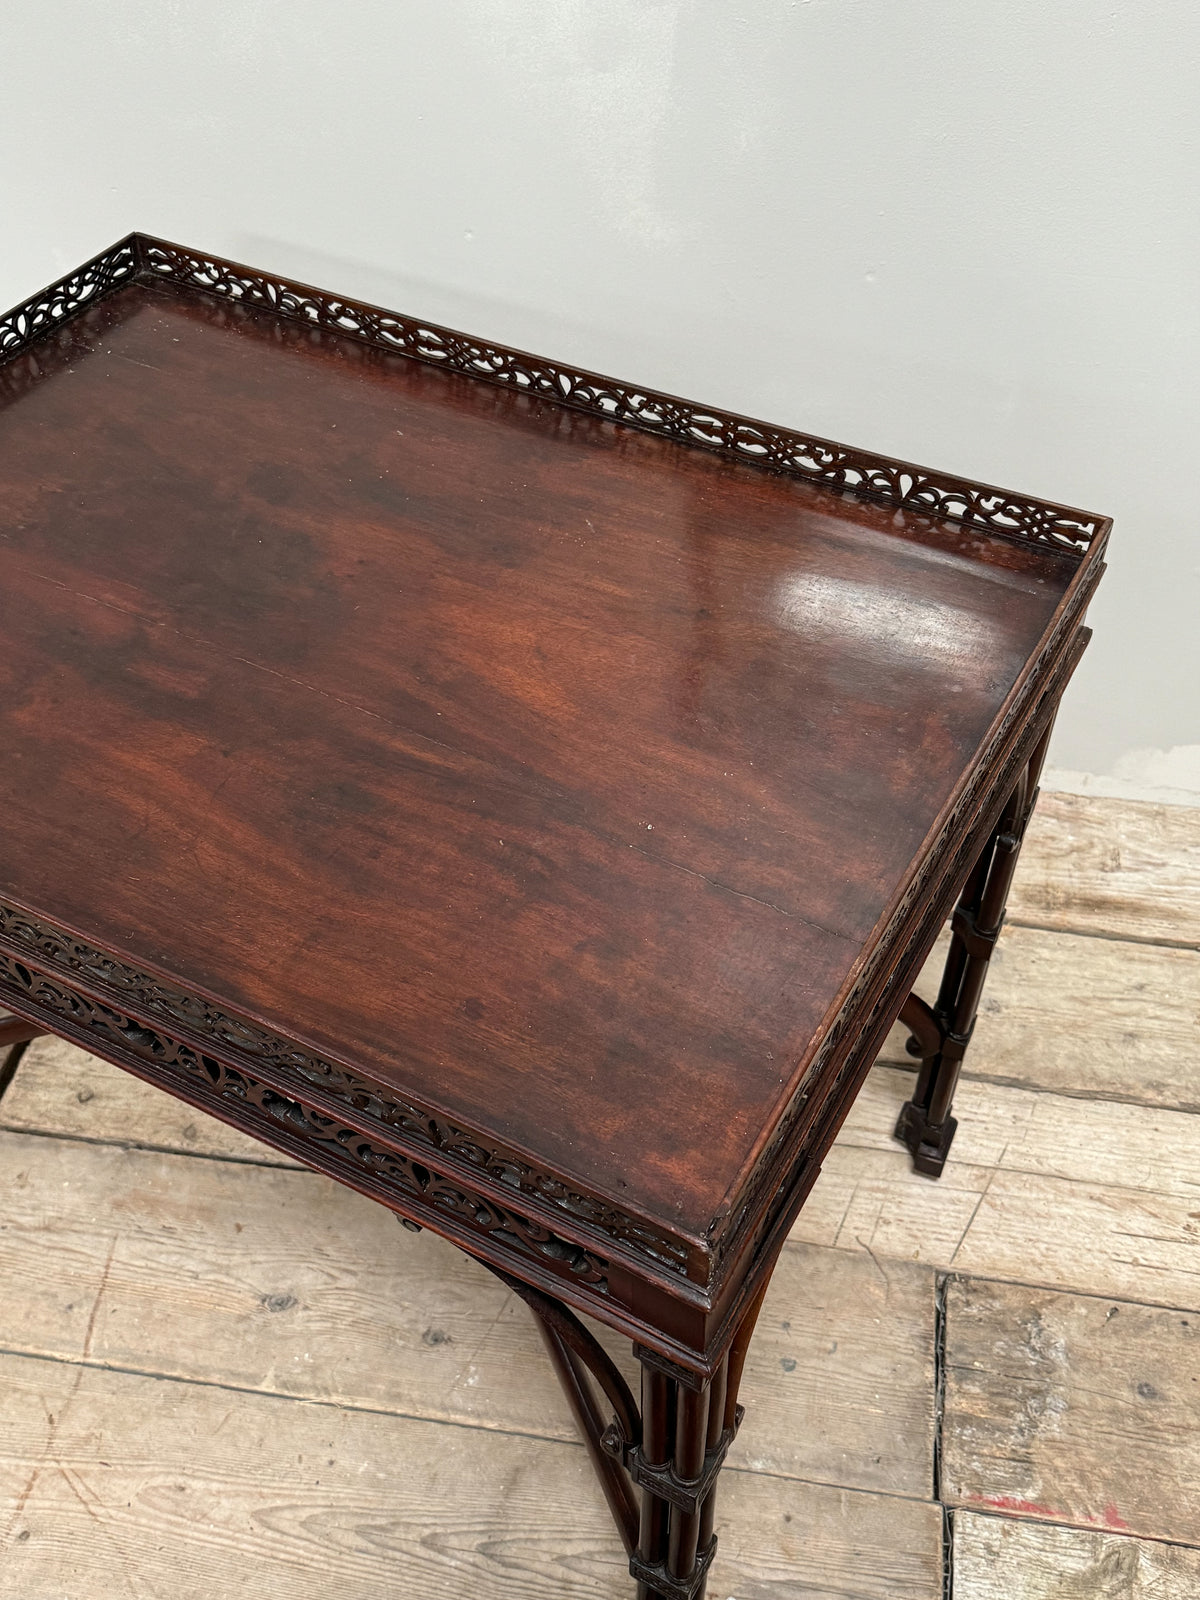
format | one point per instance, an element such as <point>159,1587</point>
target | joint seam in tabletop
<point>717,883</point>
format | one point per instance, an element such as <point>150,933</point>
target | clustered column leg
<point>687,1428</point>
<point>720,1418</point>
<point>682,1446</point>
<point>658,1428</point>
<point>941,1035</point>
<point>658,1467</point>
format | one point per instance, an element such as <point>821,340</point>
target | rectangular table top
<point>551,772</point>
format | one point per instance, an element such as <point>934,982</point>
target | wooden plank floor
<point>221,1372</point>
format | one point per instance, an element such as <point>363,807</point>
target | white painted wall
<point>963,233</point>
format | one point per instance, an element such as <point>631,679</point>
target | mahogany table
<point>522,796</point>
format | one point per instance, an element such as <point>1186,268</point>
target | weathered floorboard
<point>1123,869</point>
<point>60,1089</point>
<point>286,1282</point>
<point>1071,1409</point>
<point>1080,1016</point>
<point>1066,1193</point>
<point>998,1559</point>
<point>130,1487</point>
<point>1049,1135</point>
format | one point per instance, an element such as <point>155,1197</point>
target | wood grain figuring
<point>127,1486</point>
<point>1122,869</point>
<point>1072,1409</point>
<point>997,1559</point>
<point>596,754</point>
<point>286,1283</point>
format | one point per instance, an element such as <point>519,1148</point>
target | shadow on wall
<point>1171,777</point>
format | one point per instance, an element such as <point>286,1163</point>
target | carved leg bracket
<point>667,1455</point>
<point>689,1494</point>
<point>941,1033</point>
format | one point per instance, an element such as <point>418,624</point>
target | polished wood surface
<point>548,771</point>
<point>482,781</point>
<point>841,1385</point>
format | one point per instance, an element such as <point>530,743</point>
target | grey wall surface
<point>964,234</point>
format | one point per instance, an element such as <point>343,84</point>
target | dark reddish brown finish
<point>558,764</point>
<point>942,1032</point>
<point>486,782</point>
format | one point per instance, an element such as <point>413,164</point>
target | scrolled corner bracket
<point>50,308</point>
<point>797,455</point>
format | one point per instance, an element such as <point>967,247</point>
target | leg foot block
<point>928,1142</point>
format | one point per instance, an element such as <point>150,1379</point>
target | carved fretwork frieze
<point>401,1117</point>
<point>409,1178</point>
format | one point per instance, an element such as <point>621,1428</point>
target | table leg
<point>687,1428</point>
<point>672,1451</point>
<point>942,1032</point>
